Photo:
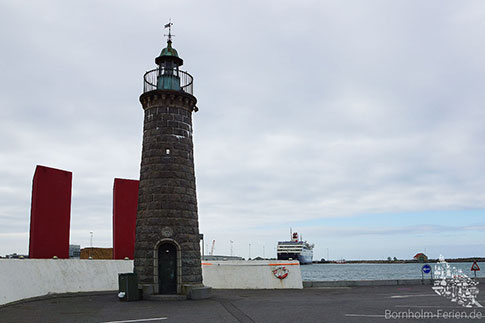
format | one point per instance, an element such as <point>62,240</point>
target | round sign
<point>426,269</point>
<point>167,232</point>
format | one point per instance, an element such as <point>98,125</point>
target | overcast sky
<point>359,124</point>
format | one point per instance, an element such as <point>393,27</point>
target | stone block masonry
<point>167,202</point>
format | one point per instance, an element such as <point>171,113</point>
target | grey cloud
<point>306,111</point>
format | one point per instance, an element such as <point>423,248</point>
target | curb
<point>367,283</point>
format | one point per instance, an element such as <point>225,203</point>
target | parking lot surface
<point>356,304</point>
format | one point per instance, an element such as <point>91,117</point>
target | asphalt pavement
<point>347,304</point>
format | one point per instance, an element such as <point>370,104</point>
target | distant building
<point>219,258</point>
<point>74,251</point>
<point>420,257</point>
<point>16,256</point>
<point>97,253</point>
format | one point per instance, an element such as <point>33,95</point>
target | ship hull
<point>304,258</point>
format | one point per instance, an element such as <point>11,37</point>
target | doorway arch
<point>167,267</point>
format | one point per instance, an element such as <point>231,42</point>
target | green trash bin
<point>128,287</point>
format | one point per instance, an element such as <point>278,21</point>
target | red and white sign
<point>475,266</point>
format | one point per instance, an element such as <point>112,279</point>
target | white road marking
<point>139,320</point>
<point>364,315</point>
<point>408,296</point>
<point>431,306</point>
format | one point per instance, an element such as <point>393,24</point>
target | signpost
<point>475,268</point>
<point>426,269</point>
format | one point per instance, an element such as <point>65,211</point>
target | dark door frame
<point>179,264</point>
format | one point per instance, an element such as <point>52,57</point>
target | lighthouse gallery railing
<point>151,78</point>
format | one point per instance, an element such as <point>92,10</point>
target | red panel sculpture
<point>125,203</point>
<point>50,213</point>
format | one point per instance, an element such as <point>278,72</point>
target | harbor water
<point>332,272</point>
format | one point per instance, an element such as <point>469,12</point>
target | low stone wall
<point>27,278</point>
<point>252,274</point>
<point>357,283</point>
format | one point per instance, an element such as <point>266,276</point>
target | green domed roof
<point>169,50</point>
<point>169,54</point>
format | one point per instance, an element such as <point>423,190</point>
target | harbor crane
<point>212,248</point>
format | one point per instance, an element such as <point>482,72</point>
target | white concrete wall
<point>26,278</point>
<point>254,274</point>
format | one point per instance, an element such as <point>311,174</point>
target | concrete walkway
<point>347,304</point>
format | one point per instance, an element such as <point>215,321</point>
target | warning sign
<point>475,266</point>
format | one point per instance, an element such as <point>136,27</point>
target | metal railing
<point>152,80</point>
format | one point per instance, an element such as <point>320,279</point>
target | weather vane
<point>169,26</point>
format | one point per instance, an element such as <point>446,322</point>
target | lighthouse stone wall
<point>167,202</point>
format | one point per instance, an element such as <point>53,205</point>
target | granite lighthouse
<point>167,253</point>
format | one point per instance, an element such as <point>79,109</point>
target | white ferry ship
<point>295,249</point>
